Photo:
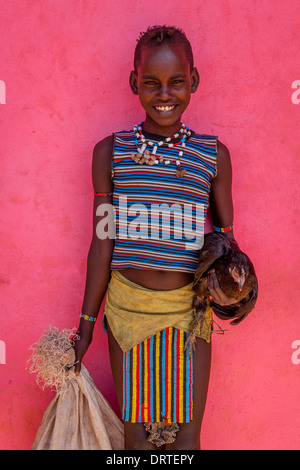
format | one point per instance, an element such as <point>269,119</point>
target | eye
<point>178,81</point>
<point>150,83</point>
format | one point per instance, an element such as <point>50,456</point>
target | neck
<point>165,131</point>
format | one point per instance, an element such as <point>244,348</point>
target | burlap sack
<point>79,417</point>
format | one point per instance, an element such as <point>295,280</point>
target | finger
<point>217,292</point>
<point>214,287</point>
<point>216,283</point>
<point>211,279</point>
<point>77,367</point>
<point>212,291</point>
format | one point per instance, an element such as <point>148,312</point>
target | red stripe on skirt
<point>177,373</point>
<point>125,376</point>
<point>167,371</point>
<point>142,384</point>
<point>137,381</point>
<point>149,394</point>
<point>190,387</point>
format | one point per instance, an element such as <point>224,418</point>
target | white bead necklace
<point>150,157</point>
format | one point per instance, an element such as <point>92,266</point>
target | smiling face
<point>164,82</point>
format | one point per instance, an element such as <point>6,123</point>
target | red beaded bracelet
<point>102,194</point>
<point>223,229</point>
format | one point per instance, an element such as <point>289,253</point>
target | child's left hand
<point>216,292</point>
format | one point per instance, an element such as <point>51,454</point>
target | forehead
<point>164,59</point>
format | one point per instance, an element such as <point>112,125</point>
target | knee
<point>183,442</point>
<point>137,443</point>
<point>183,446</point>
<point>136,437</point>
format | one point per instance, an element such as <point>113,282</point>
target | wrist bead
<point>223,229</point>
<point>87,317</point>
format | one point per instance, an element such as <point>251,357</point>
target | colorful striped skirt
<point>158,379</point>
<point>151,328</point>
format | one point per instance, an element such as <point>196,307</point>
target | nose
<point>164,92</point>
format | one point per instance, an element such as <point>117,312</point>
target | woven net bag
<point>79,417</point>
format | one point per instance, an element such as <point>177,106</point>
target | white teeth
<point>165,108</point>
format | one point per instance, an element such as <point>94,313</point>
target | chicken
<point>236,275</point>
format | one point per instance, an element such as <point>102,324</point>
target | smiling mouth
<point>164,109</point>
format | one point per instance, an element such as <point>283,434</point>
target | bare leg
<point>188,436</point>
<point>135,433</point>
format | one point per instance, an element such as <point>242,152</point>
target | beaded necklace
<point>150,157</point>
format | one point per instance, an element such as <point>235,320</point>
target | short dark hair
<point>157,35</point>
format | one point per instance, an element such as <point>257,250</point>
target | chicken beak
<point>241,280</point>
<point>238,276</point>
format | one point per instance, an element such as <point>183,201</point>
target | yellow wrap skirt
<point>151,327</point>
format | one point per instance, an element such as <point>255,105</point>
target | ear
<point>133,82</point>
<point>195,80</point>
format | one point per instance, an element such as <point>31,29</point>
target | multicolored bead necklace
<point>150,157</point>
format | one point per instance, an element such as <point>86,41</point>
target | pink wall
<point>65,66</point>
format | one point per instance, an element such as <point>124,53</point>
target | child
<point>148,278</point>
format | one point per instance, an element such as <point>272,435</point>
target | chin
<point>167,120</point>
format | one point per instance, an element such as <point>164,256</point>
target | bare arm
<point>100,251</point>
<point>221,207</point>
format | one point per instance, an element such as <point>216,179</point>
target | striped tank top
<point>160,216</point>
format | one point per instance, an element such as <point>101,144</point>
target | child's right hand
<point>85,333</point>
<point>218,296</point>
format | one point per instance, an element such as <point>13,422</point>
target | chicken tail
<point>198,320</point>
